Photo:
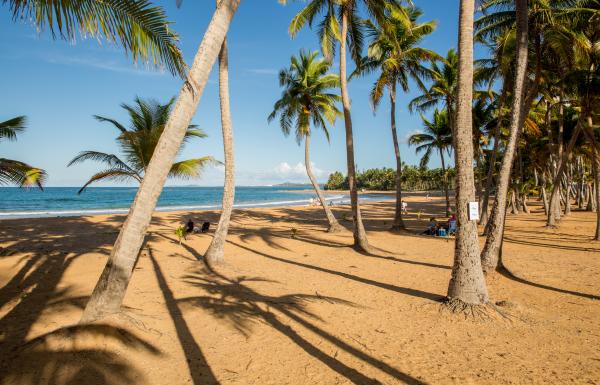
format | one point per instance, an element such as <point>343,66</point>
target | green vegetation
<point>384,179</point>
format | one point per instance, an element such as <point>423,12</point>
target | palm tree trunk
<point>467,285</point>
<point>555,196</point>
<point>360,236</point>
<point>490,253</point>
<point>554,213</point>
<point>490,174</point>
<point>215,252</point>
<point>568,190</point>
<point>596,174</point>
<point>110,289</point>
<point>398,222</point>
<point>334,225</point>
<point>446,193</point>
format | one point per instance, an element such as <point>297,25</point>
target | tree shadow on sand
<point>45,250</point>
<point>71,355</point>
<point>232,300</point>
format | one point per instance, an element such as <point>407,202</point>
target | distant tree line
<point>384,179</point>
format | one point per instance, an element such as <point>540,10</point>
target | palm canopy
<point>140,27</point>
<point>436,136</point>
<point>137,143</point>
<point>306,97</point>
<point>444,76</point>
<point>13,171</point>
<point>395,51</point>
<point>329,30</point>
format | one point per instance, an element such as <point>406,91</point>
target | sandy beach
<point>306,309</point>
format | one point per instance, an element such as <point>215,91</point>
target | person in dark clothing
<point>189,227</point>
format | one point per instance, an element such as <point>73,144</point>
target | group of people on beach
<point>442,229</point>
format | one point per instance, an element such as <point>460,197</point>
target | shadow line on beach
<point>199,368</point>
<point>234,300</point>
<point>387,286</point>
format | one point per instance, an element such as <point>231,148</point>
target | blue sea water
<point>64,201</point>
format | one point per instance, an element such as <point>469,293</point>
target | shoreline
<point>338,200</point>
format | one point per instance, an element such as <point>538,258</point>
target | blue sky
<point>60,85</point>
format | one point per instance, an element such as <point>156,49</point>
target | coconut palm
<point>138,142</point>
<point>436,137</point>
<point>307,98</point>
<point>13,171</point>
<point>140,27</point>
<point>215,251</point>
<point>112,284</point>
<point>491,251</point>
<point>442,91</point>
<point>343,23</point>
<point>467,285</point>
<point>395,53</point>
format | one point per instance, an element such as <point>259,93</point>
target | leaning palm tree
<point>15,172</point>
<point>112,284</point>
<point>305,99</point>
<point>436,137</point>
<point>342,23</point>
<point>140,27</point>
<point>467,287</point>
<point>394,51</point>
<point>138,142</point>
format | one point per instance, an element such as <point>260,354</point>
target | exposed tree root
<point>483,312</point>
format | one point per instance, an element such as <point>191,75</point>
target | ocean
<point>64,201</point>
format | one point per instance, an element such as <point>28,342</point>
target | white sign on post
<point>473,211</point>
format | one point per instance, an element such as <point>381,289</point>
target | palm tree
<point>491,251</point>
<point>394,51</point>
<point>112,284</point>
<point>442,91</point>
<point>467,285</point>
<point>140,27</point>
<point>305,99</point>
<point>215,251</point>
<point>437,136</point>
<point>147,122</point>
<point>342,23</point>
<point>14,171</point>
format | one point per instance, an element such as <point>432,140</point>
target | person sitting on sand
<point>452,224</point>
<point>432,227</point>
<point>189,227</point>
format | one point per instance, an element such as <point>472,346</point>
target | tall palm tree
<point>491,251</point>
<point>112,284</point>
<point>305,99</point>
<point>138,142</point>
<point>343,23</point>
<point>394,51</point>
<point>13,171</point>
<point>215,251</point>
<point>140,27</point>
<point>436,137</point>
<point>467,284</point>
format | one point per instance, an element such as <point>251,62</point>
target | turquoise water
<point>64,201</point>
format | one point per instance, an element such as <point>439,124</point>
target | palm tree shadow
<point>510,275</point>
<point>198,366</point>
<point>60,357</point>
<point>231,299</point>
<point>383,285</point>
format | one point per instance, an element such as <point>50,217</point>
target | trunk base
<point>335,228</point>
